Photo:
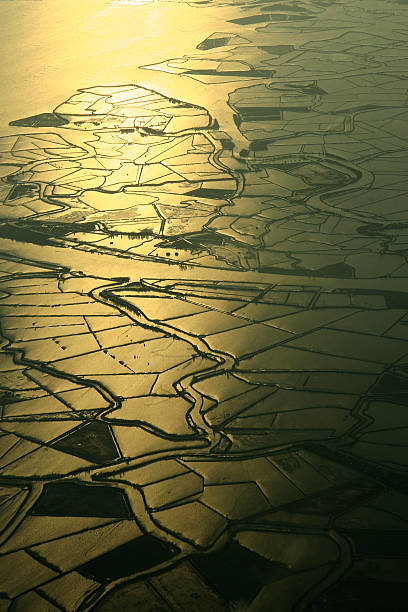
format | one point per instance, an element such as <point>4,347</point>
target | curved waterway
<point>243,166</point>
<point>223,361</point>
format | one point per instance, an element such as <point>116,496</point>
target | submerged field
<point>204,302</point>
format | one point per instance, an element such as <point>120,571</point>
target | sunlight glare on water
<point>71,45</point>
<point>204,305</point>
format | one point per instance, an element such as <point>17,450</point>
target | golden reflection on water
<point>264,326</point>
<point>54,47</point>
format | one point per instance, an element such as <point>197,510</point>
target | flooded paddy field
<point>204,305</point>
